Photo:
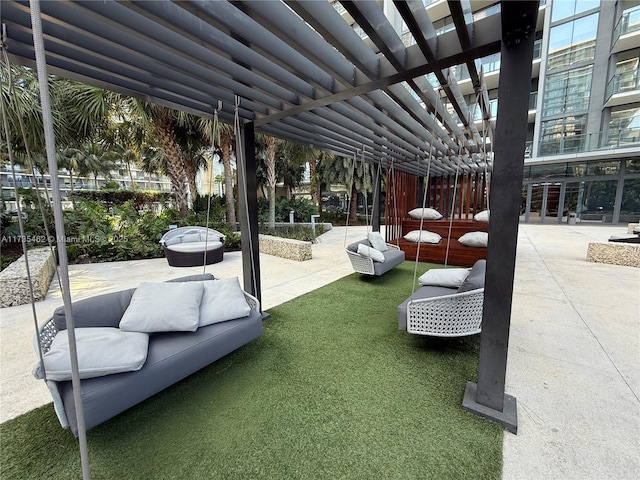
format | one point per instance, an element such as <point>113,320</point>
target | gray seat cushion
<point>424,292</point>
<point>392,258</point>
<point>172,356</point>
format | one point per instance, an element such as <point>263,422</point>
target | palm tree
<point>316,159</point>
<point>360,179</point>
<point>269,144</point>
<point>193,149</point>
<point>227,141</point>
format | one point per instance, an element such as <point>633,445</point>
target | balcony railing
<point>558,144</point>
<point>623,82</point>
<point>629,22</point>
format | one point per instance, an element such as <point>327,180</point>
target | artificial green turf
<point>331,390</point>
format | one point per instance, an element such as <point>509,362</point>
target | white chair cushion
<point>482,216</point>
<point>422,236</point>
<point>444,277</point>
<point>425,213</point>
<point>101,351</point>
<point>372,253</point>
<point>474,239</point>
<point>191,247</point>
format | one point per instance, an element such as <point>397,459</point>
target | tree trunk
<point>191,173</point>
<point>353,207</point>
<point>271,179</point>
<point>226,141</point>
<point>130,175</point>
<point>316,188</point>
<point>175,168</point>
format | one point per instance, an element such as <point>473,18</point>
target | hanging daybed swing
<point>450,301</point>
<point>85,391</point>
<point>372,255</point>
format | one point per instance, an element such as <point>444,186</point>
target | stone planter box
<point>285,247</point>
<point>14,283</point>
<point>614,253</point>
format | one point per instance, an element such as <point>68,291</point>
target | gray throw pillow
<point>164,307</point>
<point>222,300</point>
<point>475,279</point>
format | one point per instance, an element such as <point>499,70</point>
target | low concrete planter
<point>285,248</point>
<point>14,283</point>
<point>614,253</point>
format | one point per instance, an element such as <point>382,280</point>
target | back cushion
<point>100,311</point>
<point>475,279</point>
<point>353,247</point>
<point>106,310</point>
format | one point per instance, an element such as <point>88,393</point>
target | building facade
<point>583,149</point>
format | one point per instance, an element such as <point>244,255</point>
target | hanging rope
<point>353,174</point>
<point>453,206</point>
<point>23,242</point>
<point>392,178</point>
<point>241,161</point>
<point>41,63</point>
<point>364,176</point>
<point>29,156</point>
<point>424,201</point>
<point>215,140</point>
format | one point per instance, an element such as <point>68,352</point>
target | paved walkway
<point>573,356</point>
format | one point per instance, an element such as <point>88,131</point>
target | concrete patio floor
<point>574,352</point>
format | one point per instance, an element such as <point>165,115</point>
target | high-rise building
<point>582,160</point>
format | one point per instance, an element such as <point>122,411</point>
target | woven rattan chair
<point>455,315</point>
<point>367,266</point>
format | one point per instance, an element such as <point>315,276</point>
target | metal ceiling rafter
<point>297,30</point>
<point>375,23</point>
<point>324,19</point>
<point>415,16</point>
<point>291,74</point>
<point>462,17</point>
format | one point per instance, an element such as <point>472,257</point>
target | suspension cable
<point>215,140</point>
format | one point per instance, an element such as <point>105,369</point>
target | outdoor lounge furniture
<point>186,246</point>
<point>170,356</point>
<point>366,264</point>
<point>446,311</point>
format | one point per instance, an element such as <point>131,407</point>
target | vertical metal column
<point>527,211</point>
<point>561,198</point>
<point>248,202</point>
<point>487,398</point>
<point>545,202</point>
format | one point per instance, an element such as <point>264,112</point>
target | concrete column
<point>487,398</point>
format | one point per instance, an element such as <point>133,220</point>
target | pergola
<point>298,70</point>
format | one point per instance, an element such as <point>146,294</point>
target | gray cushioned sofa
<point>171,356</point>
<point>446,311</point>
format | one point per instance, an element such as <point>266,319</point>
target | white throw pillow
<point>164,307</point>
<point>444,277</point>
<point>422,236</point>
<point>372,253</point>
<point>482,216</point>
<point>222,300</point>
<point>426,213</point>
<point>474,239</point>
<point>377,242</point>
<point>101,351</point>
